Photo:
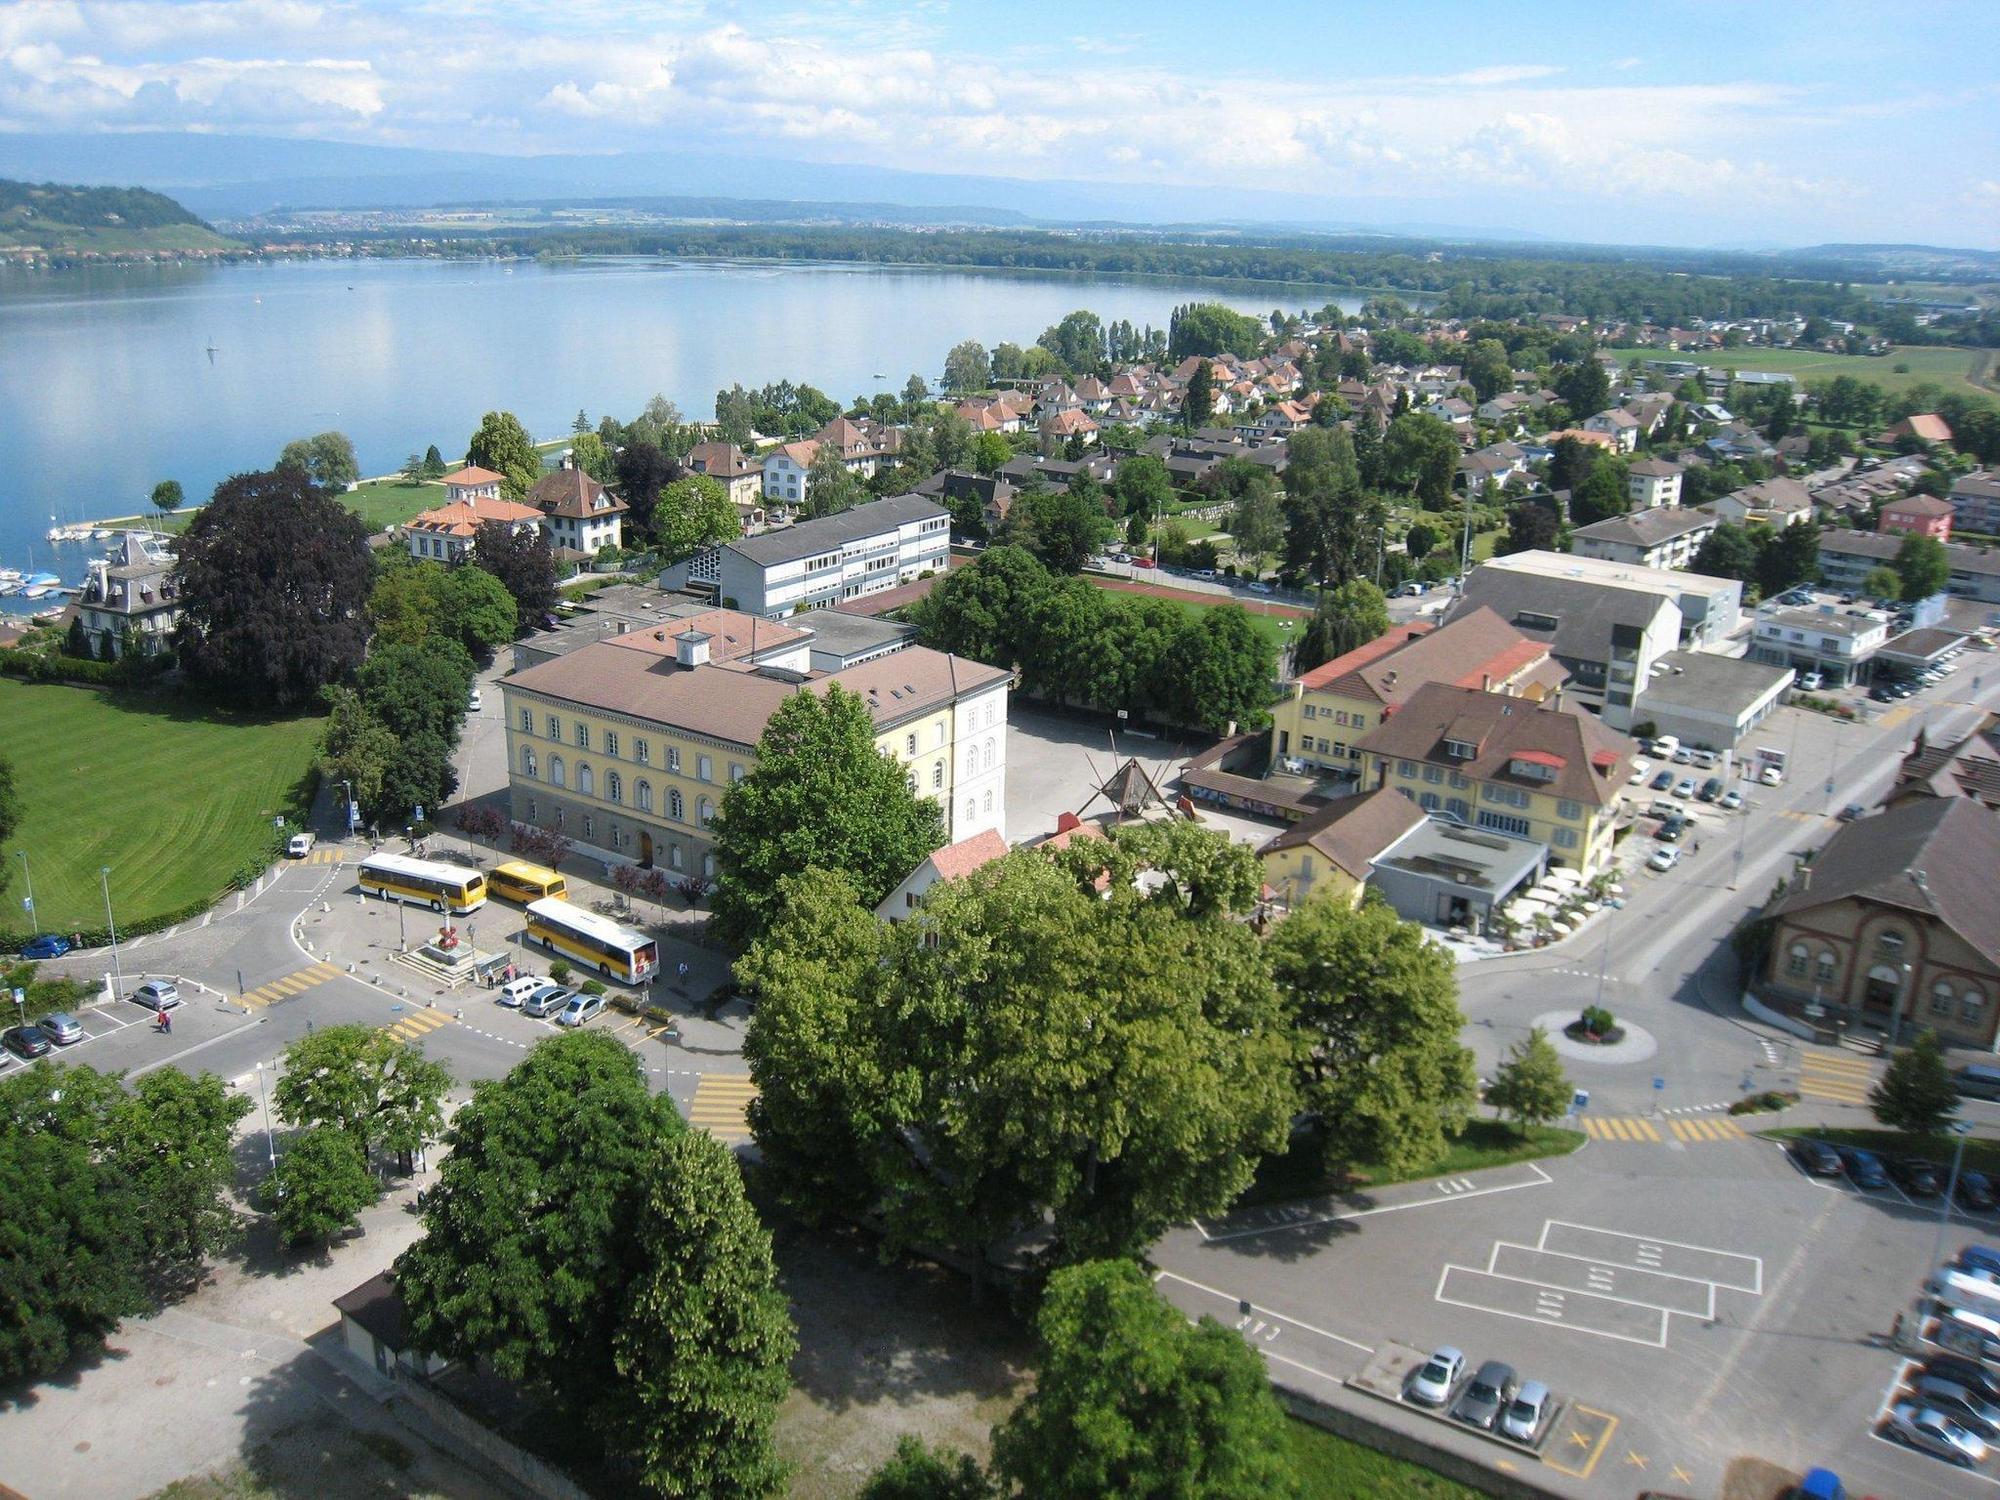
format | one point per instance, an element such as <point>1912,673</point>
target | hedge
<point>127,671</point>
<point>97,937</point>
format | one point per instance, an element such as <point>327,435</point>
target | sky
<point>1761,122</point>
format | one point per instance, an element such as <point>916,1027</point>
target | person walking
<point>166,1022</point>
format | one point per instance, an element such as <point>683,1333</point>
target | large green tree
<point>1923,566</point>
<point>168,497</point>
<point>1916,1093</point>
<point>1488,369</point>
<point>916,1471</point>
<point>327,458</point>
<point>1331,524</point>
<point>831,487</point>
<point>704,1338</point>
<point>1420,457</point>
<point>1209,328</point>
<point>1728,552</point>
<point>1067,525</point>
<point>981,611</point>
<point>1198,404</point>
<point>1258,522</point>
<point>355,747</point>
<point>502,445</point>
<point>1376,1004</point>
<point>1530,1084</point>
<point>693,512</point>
<point>821,795</point>
<point>273,576</point>
<point>319,1186</point>
<point>1143,485</point>
<point>376,1090</point>
<point>966,368</point>
<point>1789,557</point>
<point>415,600</point>
<point>1347,617</point>
<point>525,565</point>
<point>1024,1052</point>
<point>419,694</point>
<point>1133,1402</point>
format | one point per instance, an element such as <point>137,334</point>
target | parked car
<point>299,845</point>
<point>1961,1403</point>
<point>1684,788</point>
<point>1664,746</point>
<point>1411,590</point>
<point>158,994</point>
<point>1260,587</point>
<point>1683,756</point>
<point>26,1041</point>
<point>1486,1395</point>
<point>1771,776</point>
<point>1641,769</point>
<point>1664,858</point>
<point>1525,1414</point>
<point>1969,1373</point>
<point>1730,801</point>
<point>1816,1157</point>
<point>1974,1190</point>
<point>546,1001</point>
<point>515,992</point>
<point>581,1008</point>
<point>62,1028</point>
<point>1812,682</point>
<point>1978,1081</point>
<point>1671,830</point>
<point>1852,811</point>
<point>1144,562</point>
<point>1915,1176</point>
<point>1707,760</point>
<point>1980,1258</point>
<point>1933,1432</point>
<point>1880,693</point>
<point>1431,1385</point>
<point>1662,781</point>
<point>48,945</point>
<point>1864,1168</point>
<point>1710,789</point>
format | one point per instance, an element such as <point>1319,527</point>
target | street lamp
<point>1742,832</point>
<point>263,1104</point>
<point>117,974</point>
<point>1903,997</point>
<point>34,920</point>
<point>1961,1129</point>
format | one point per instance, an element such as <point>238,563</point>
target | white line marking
<point>1213,1292</point>
<point>1623,1338</point>
<point>1601,1296</point>
<point>1900,1448</point>
<point>1654,1244</point>
<point>1542,1180</point>
<point>1598,1266</point>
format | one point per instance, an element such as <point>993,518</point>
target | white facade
<point>784,479</point>
<point>1648,491</point>
<point>824,562</point>
<point>979,760</point>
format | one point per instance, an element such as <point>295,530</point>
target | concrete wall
<point>439,1420</point>
<point>1360,1428</point>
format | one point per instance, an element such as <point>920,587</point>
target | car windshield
<point>1436,1370</point>
<point>1482,1391</point>
<point>1521,1410</point>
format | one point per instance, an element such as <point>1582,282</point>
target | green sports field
<point>1953,368</point>
<point>174,796</point>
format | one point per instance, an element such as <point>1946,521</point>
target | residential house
<point>1926,428</point>
<point>1070,422</point>
<point>1617,424</point>
<point>1737,440</point>
<point>1966,767</point>
<point>1587,435</point>
<point>1896,923</point>
<point>865,446</point>
<point>734,470</point>
<point>445,535</point>
<point>627,745</point>
<point>787,473</point>
<point>1333,848</point>
<point>952,862</point>
<point>129,600</point>
<point>992,493</point>
<point>1496,463</point>
<point>1775,503</point>
<point>1317,724</point>
<point>1487,760</point>
<point>470,484</point>
<point>1917,515</point>
<point>1975,502</point>
<point>863,550</point>
<point>578,513</point>
<point>1508,409</point>
<point>1668,537</point>
<point>1653,482</point>
<point>1847,557</point>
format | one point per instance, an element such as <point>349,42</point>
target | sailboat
<point>211,348</point>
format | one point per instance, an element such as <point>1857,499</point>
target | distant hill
<point>99,220</point>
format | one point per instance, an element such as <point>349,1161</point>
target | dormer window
<point>1460,749</point>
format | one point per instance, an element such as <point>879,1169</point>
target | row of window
<point>1338,715</point>
<point>1507,796</point>
<point>621,838</point>
<point>614,787</point>
<point>1970,1001</point>
<point>642,750</point>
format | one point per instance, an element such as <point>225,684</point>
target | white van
<point>516,991</point>
<point>1665,745</point>
<point>1969,1333</point>
<point>1964,1291</point>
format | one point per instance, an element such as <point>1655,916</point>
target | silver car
<point>546,1001</point>
<point>1487,1394</point>
<point>1967,1408</point>
<point>1933,1432</point>
<point>1431,1386</point>
<point>579,1009</point>
<point>1525,1414</point>
<point>63,1028</point>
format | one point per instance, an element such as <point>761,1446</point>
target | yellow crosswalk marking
<point>1844,1080</point>
<point>288,985</point>
<point>416,1024</point>
<point>1619,1128</point>
<point>720,1103</point>
<point>1718,1128</point>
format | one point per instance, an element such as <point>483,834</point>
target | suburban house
<point>1917,515</point>
<point>864,446</point>
<point>627,745</point>
<point>1653,482</point>
<point>579,514</point>
<point>445,535</point>
<point>1324,712</point>
<point>1847,557</point>
<point>1617,424</point>
<point>1667,537</point>
<point>1968,767</point>
<point>1896,923</point>
<point>818,563</point>
<point>1485,760</point>
<point>129,600</point>
<point>1071,422</point>
<point>785,473</point>
<point>728,466</point>
<point>472,483</point>
<point>1926,428</point>
<point>1975,502</point>
<point>1836,641</point>
<point>952,862</point>
<point>1334,848</point>
<point>1775,503</point>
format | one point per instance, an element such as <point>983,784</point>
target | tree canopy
<point>1531,1084</point>
<point>502,445</point>
<point>1347,617</point>
<point>1332,525</point>
<point>1916,1092</point>
<point>274,576</point>
<point>327,458</point>
<point>1209,328</point>
<point>376,1090</point>
<point>1923,566</point>
<point>966,368</point>
<point>525,565</point>
<point>693,512</point>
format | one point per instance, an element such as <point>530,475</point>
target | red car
<point>1144,562</point>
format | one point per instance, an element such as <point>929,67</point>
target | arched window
<point>527,760</point>
<point>586,783</point>
<point>557,776</point>
<point>708,867</point>
<point>937,777</point>
<point>676,807</point>
<point>705,811</point>
<point>910,780</point>
<point>989,803</point>
<point>1941,998</point>
<point>1797,959</point>
<point>1826,967</point>
<point>991,753</point>
<point>614,786</point>
<point>971,810</point>
<point>645,795</point>
<point>1971,1006</point>
<point>673,856</point>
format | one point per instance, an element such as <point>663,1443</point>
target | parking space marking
<point>1593,1438</point>
<point>1276,1219</point>
<point>1725,1268</point>
<point>1891,1443</point>
<point>1237,1302</point>
<point>1583,1312</point>
<point>1673,1294</point>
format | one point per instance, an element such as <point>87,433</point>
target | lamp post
<point>1961,1129</point>
<point>1896,1012</point>
<point>264,1105</point>
<point>117,974</point>
<point>34,920</point>
<point>1742,832</point>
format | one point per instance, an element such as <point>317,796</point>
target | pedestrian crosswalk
<point>417,1024</point>
<point>1619,1128</point>
<point>1690,1130</point>
<point>1837,1076</point>
<point>295,983</point>
<point>1713,1128</point>
<point>329,856</point>
<point>721,1102</point>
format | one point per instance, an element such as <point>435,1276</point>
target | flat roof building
<point>823,562</point>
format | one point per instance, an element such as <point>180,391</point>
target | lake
<point>107,385</point>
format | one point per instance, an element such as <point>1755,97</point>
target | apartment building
<point>824,562</point>
<point>1665,538</point>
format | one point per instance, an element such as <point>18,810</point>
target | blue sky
<point>1693,123</point>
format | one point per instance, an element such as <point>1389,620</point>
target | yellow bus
<point>441,887</point>
<point>517,880</point>
<point>592,942</point>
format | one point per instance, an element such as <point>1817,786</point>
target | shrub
<point>592,986</point>
<point>559,971</point>
<point>1597,1021</point>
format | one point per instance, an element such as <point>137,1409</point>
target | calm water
<point>106,385</point>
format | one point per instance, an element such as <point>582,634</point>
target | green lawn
<point>1951,367</point>
<point>383,503</point>
<point>1485,1143</point>
<point>1330,1467</point>
<point>173,795</point>
<point>1981,1155</point>
<point>1271,627</point>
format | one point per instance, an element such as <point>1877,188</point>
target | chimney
<point>691,648</point>
<point>1485,682</point>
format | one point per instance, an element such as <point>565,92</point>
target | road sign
<point>1658,1083</point>
<point>1829,786</point>
<point>1579,1101</point>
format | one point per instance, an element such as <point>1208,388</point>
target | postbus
<point>441,887</point>
<point>517,880</point>
<point>593,942</point>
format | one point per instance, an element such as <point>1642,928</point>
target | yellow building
<point>1530,769</point>
<point>1317,726</point>
<point>626,746</point>
<point>1334,848</point>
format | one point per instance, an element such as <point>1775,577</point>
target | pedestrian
<point>166,1022</point>
<point>1697,846</point>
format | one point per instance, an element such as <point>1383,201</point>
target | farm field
<point>1953,368</point>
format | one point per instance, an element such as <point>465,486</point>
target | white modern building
<point>1711,608</point>
<point>824,562</point>
<point>1653,482</point>
<point>1826,637</point>
<point>1665,538</point>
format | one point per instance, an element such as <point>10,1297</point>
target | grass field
<point>1330,1467</point>
<point>1484,1143</point>
<point>1271,627</point>
<point>382,503</point>
<point>1953,368</point>
<point>172,795</point>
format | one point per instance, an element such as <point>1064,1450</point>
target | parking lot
<point>1671,1353</point>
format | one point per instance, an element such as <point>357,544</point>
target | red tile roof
<point>956,861</point>
<point>472,475</point>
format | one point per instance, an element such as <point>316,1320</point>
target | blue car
<point>48,945</point>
